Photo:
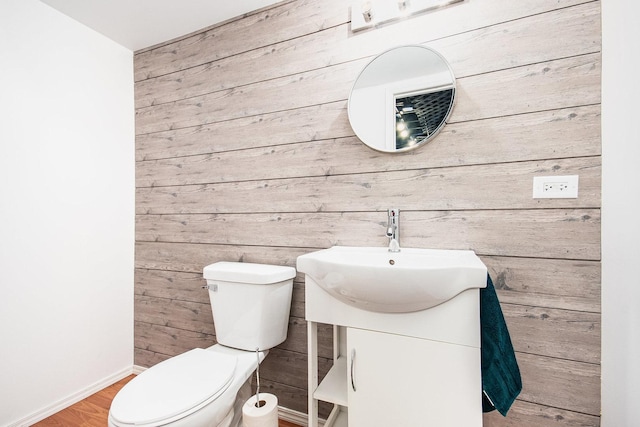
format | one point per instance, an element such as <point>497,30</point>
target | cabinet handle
<point>353,377</point>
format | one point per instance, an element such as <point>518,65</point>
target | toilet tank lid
<point>246,272</point>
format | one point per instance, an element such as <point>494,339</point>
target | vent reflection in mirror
<point>402,99</point>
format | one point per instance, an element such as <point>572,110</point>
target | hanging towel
<point>501,382</point>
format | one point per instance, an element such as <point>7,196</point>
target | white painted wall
<point>66,210</point>
<point>620,214</point>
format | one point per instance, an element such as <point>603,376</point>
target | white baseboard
<point>138,369</point>
<point>71,399</point>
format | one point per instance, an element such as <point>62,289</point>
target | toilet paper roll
<point>263,416</point>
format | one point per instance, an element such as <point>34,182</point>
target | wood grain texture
<point>571,32</point>
<point>564,79</point>
<point>526,414</point>
<point>298,19</point>
<point>549,283</point>
<point>550,380</point>
<point>532,136</point>
<point>553,231</point>
<point>244,153</point>
<point>256,30</point>
<point>548,85</point>
<point>439,189</point>
<point>560,83</point>
<point>535,136</point>
<point>538,330</point>
<point>316,122</point>
<point>320,86</point>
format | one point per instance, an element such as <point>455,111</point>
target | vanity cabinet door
<point>396,380</point>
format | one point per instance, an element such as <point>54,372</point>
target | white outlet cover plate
<point>555,187</point>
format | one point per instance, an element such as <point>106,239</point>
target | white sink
<point>374,279</point>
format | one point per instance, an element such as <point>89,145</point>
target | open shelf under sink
<point>333,388</point>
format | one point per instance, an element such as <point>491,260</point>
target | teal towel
<point>501,382</point>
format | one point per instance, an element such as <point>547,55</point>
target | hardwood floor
<point>90,412</point>
<point>94,410</point>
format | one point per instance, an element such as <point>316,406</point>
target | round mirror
<point>402,99</point>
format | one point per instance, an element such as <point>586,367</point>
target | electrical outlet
<point>555,187</point>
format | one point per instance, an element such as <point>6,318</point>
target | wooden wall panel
<point>561,83</point>
<point>244,153</point>
<point>167,341</point>
<point>558,231</point>
<point>538,330</point>
<point>532,137</point>
<point>550,380</point>
<point>313,123</point>
<point>296,19</point>
<point>573,32</point>
<point>319,87</point>
<point>436,189</point>
<point>186,257</point>
<point>171,285</point>
<point>526,414</point>
<point>550,283</point>
<point>291,19</point>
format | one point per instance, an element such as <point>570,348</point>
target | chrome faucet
<point>393,230</point>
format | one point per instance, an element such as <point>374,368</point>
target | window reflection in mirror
<point>420,116</point>
<point>402,99</point>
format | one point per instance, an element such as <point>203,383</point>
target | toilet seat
<point>173,389</point>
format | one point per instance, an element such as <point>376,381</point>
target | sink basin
<point>374,279</point>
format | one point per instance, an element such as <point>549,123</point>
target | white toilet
<point>207,387</point>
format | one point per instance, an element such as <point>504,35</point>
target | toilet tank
<point>250,303</point>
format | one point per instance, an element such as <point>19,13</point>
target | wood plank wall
<point>244,152</point>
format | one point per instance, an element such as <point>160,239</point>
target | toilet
<point>208,387</point>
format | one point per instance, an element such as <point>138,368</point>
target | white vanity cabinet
<point>395,363</point>
<point>395,380</point>
<point>403,369</point>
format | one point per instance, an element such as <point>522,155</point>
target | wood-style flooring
<point>94,410</point>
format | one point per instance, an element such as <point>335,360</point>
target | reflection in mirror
<point>420,116</point>
<point>402,99</point>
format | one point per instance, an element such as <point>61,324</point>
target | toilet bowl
<point>208,387</point>
<point>202,387</point>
